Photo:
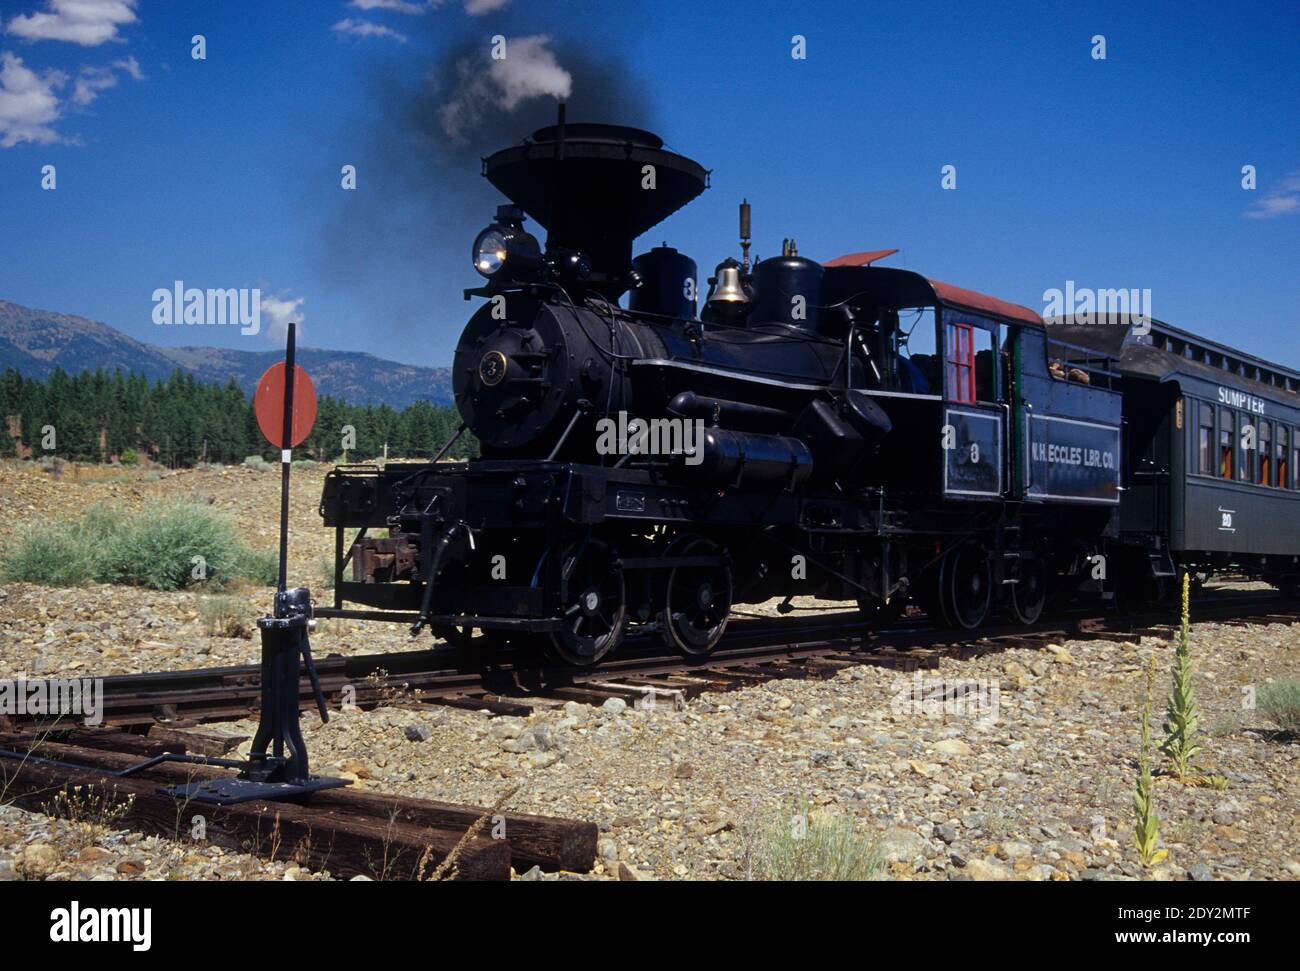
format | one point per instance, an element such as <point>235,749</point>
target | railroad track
<point>753,650</point>
<point>352,831</point>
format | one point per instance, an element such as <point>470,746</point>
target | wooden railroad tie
<point>347,831</point>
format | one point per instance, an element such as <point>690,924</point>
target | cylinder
<point>668,284</point>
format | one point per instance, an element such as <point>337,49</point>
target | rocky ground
<point>1036,787</point>
<point>1033,784</point>
<point>39,847</point>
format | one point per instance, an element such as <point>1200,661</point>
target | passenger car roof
<point>1139,355</point>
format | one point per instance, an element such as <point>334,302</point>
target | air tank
<point>668,283</point>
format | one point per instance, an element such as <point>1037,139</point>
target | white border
<point>1029,444</point>
<point>996,418</point>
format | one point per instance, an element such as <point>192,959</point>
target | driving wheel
<point>965,586</point>
<point>592,595</point>
<point>1029,595</point>
<point>697,599</point>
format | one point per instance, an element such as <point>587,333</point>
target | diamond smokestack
<point>595,188</point>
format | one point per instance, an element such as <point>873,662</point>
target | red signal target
<point>268,405</point>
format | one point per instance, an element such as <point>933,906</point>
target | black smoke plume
<point>422,197</point>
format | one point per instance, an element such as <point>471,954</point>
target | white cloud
<point>475,8</point>
<point>1282,201</point>
<point>277,313</point>
<point>529,70</point>
<point>131,66</point>
<point>85,22</point>
<point>400,6</point>
<point>28,104</point>
<point>90,82</point>
<point>366,28</point>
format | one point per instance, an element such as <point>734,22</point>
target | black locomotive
<point>841,430</point>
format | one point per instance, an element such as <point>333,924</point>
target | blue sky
<point>225,172</point>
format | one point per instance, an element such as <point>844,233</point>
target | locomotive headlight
<point>490,251</point>
<point>505,251</point>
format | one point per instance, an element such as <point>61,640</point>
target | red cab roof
<point>860,259</point>
<point>958,297</point>
<point>974,300</point>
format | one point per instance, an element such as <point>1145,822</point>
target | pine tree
<point>179,421</point>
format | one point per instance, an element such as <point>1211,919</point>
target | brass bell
<point>725,286</point>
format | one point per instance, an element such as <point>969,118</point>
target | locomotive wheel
<point>697,600</point>
<point>965,587</point>
<point>595,605</point>
<point>1029,596</point>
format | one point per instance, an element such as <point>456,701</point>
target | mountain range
<point>36,342</point>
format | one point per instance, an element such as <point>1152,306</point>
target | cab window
<point>918,357</point>
<point>969,363</point>
<point>959,356</point>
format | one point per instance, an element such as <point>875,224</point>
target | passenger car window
<point>1205,438</point>
<point>1283,468</point>
<point>1265,453</point>
<point>1227,449</point>
<point>1246,434</point>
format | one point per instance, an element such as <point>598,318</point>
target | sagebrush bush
<point>324,571</point>
<point>165,547</point>
<point>821,846</point>
<point>1279,702</point>
<point>225,617</point>
<point>50,556</point>
<point>257,566</point>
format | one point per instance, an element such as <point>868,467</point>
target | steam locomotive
<point>839,430</point>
